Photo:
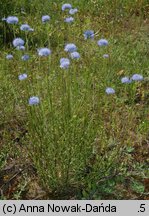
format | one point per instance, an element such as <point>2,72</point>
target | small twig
<point>107,177</point>
<point>39,196</point>
<point>13,177</point>
<point>101,180</point>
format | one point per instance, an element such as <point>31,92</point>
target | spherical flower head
<point>22,76</point>
<point>70,47</point>
<point>20,47</point>
<point>45,18</point>
<point>137,77</point>
<point>25,27</point>
<point>44,52</point>
<point>106,56</point>
<point>125,80</point>
<point>89,34</point>
<point>9,57</point>
<point>64,59</point>
<point>25,57</point>
<point>75,55</point>
<point>34,100</point>
<point>102,42</point>
<point>73,11</point>
<point>64,63</point>
<point>69,19</point>
<point>12,20</point>
<point>66,6</point>
<point>110,90</point>
<point>17,42</point>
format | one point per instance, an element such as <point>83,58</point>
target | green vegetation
<point>78,142</point>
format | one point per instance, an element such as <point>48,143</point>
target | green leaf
<point>138,187</point>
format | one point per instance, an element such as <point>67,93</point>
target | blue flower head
<point>17,42</point>
<point>45,18</point>
<point>126,80</point>
<point>34,100</point>
<point>64,63</point>
<point>102,42</point>
<point>9,57</point>
<point>64,59</point>
<point>137,77</point>
<point>25,57</point>
<point>12,20</point>
<point>73,11</point>
<point>89,34</point>
<point>110,90</point>
<point>22,76</point>
<point>75,55</point>
<point>69,19</point>
<point>70,47</point>
<point>20,47</point>
<point>26,27</point>
<point>44,52</point>
<point>66,6</point>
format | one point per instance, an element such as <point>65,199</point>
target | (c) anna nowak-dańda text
<point>68,208</point>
